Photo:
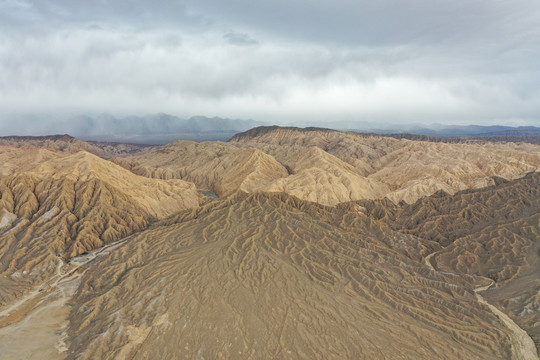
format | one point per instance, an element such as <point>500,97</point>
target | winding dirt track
<point>33,327</point>
<point>523,347</point>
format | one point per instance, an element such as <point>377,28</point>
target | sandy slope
<point>410,169</point>
<point>265,274</point>
<point>34,326</point>
<point>331,167</point>
<point>69,145</point>
<point>272,276</point>
<point>492,232</point>
<point>16,159</point>
<point>213,166</point>
<point>523,347</point>
<point>71,204</point>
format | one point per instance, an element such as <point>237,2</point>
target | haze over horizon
<point>450,62</point>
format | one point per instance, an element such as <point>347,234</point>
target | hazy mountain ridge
<point>480,131</point>
<point>149,129</point>
<point>161,128</point>
<point>469,139</point>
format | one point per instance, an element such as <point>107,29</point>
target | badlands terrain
<point>281,243</point>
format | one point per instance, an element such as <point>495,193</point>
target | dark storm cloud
<point>415,61</point>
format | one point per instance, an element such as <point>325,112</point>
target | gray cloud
<point>239,39</point>
<point>415,61</point>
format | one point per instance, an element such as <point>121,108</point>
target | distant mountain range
<point>149,129</point>
<point>474,130</point>
<point>164,128</point>
<point>529,134</point>
<point>159,128</point>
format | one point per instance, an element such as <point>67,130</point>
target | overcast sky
<point>421,61</point>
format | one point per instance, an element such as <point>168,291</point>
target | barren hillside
<point>213,166</point>
<point>492,232</point>
<point>331,167</point>
<point>263,276</point>
<point>282,243</point>
<point>71,204</point>
<point>69,144</point>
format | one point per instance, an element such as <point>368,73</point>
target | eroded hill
<point>213,166</point>
<point>331,167</point>
<point>410,169</point>
<point>258,276</point>
<point>72,204</point>
<point>492,232</point>
<point>101,261</point>
<point>69,144</point>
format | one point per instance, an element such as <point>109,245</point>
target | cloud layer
<point>419,61</point>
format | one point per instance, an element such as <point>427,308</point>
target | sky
<point>280,61</point>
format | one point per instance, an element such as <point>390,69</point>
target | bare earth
<point>281,243</point>
<point>523,347</point>
<point>331,167</point>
